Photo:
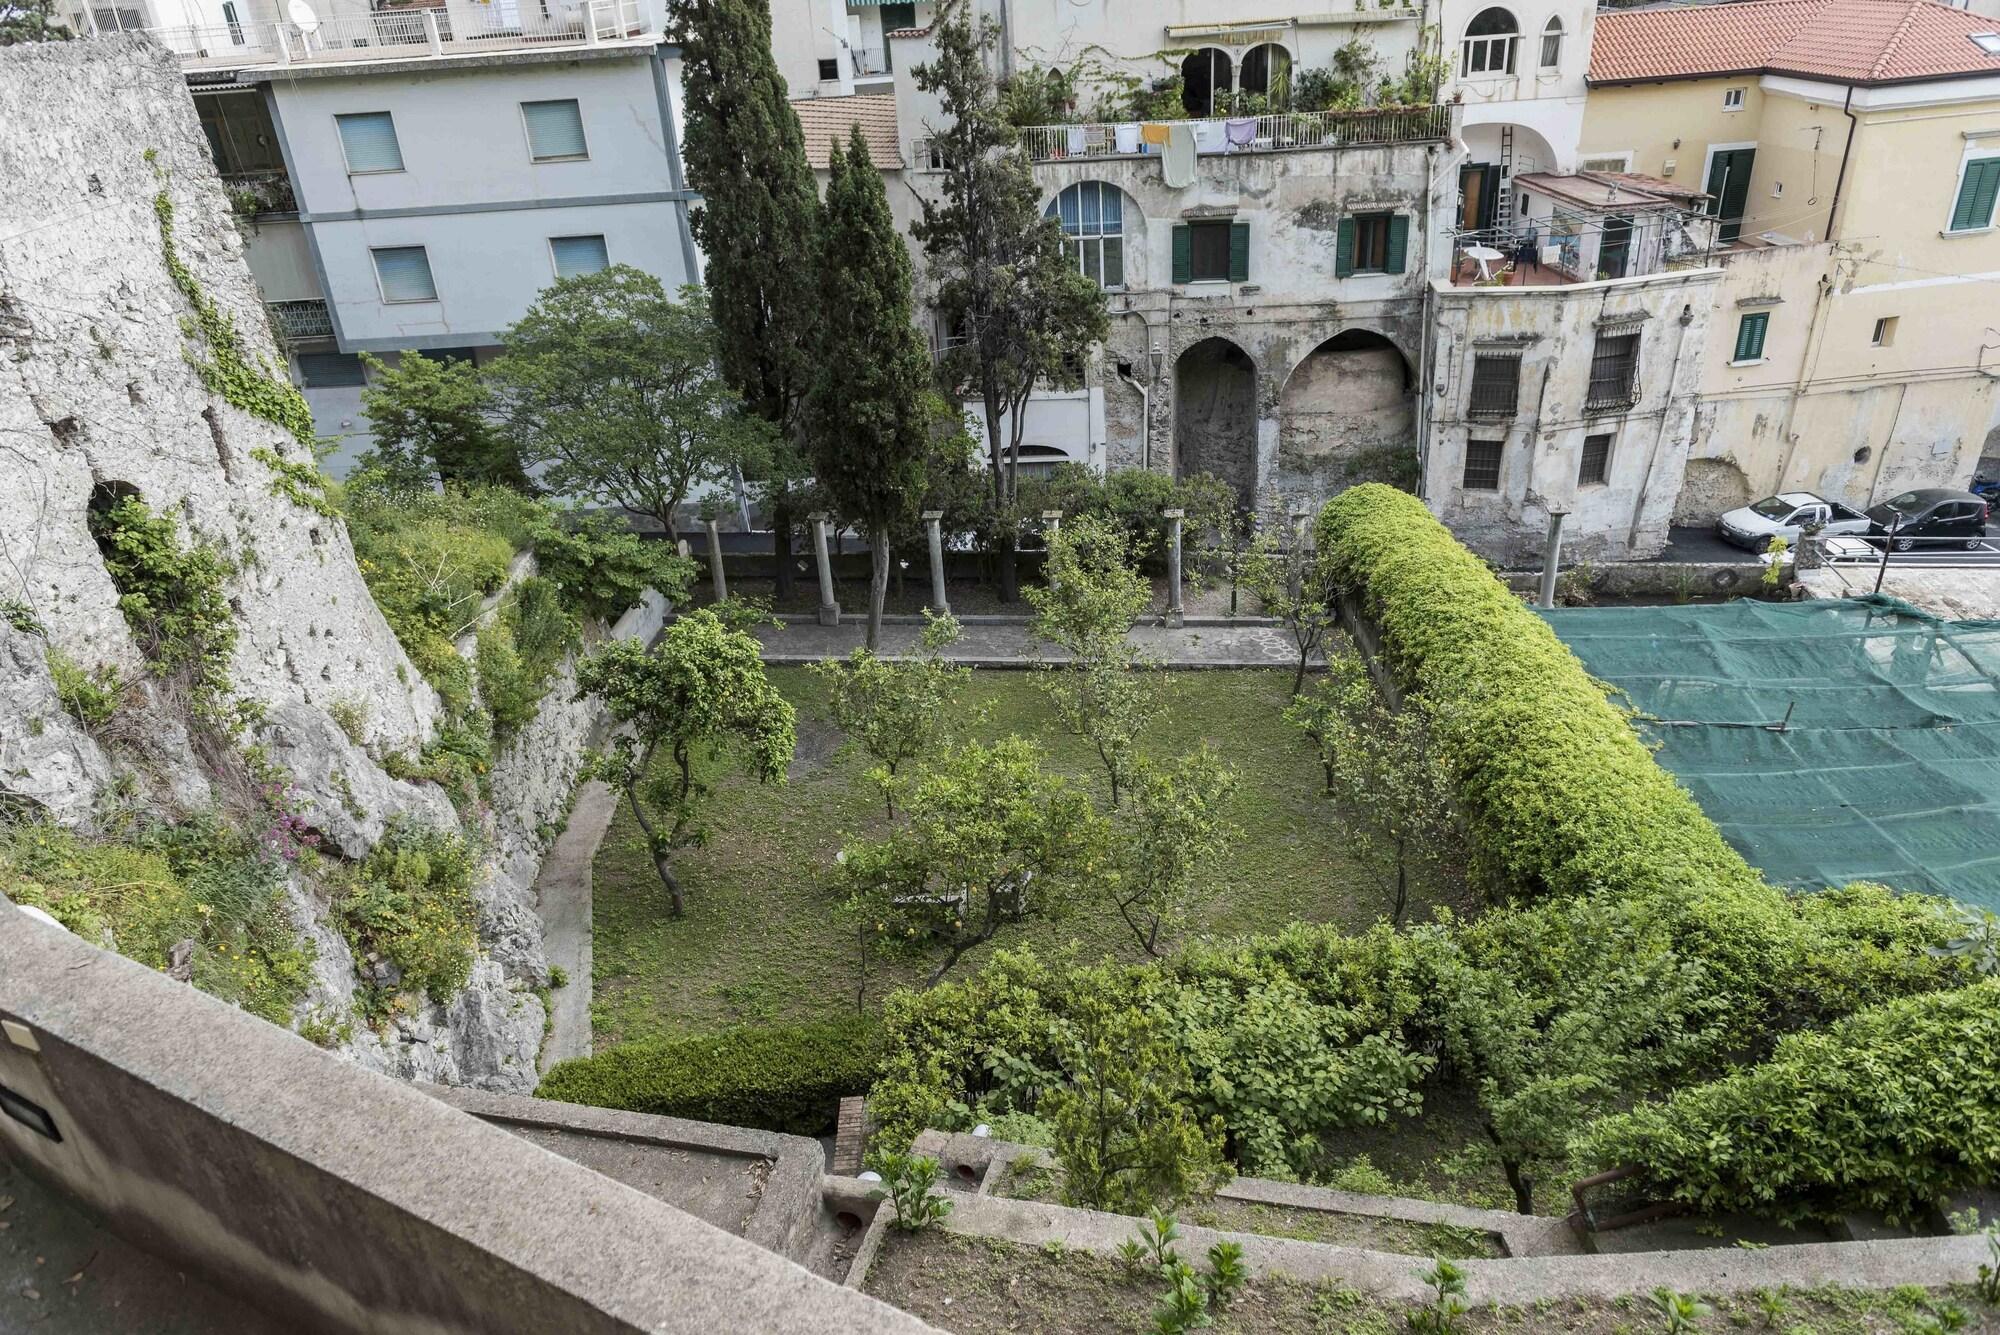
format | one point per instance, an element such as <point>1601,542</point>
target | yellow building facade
<point>1855,346</point>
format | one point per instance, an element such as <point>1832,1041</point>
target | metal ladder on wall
<point>1503,207</point>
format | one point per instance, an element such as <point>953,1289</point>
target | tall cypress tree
<point>865,409</point>
<point>746,156</point>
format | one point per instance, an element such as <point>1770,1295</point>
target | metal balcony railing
<point>393,34</point>
<point>255,193</point>
<point>869,61</point>
<point>1278,133</point>
<point>295,320</point>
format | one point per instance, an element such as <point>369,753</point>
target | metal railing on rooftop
<point>404,33</point>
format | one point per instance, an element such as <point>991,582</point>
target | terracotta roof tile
<point>1852,41</point>
<point>827,119</point>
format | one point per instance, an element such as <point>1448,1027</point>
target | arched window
<point>1489,43</point>
<point>1552,44</point>
<point>1092,215</point>
<point>1206,75</point>
<point>1267,69</point>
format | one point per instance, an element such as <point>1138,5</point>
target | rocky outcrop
<point>101,397</point>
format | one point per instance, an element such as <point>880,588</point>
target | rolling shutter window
<point>1750,336</point>
<point>1239,252</point>
<point>1976,193</point>
<point>1183,254</point>
<point>405,274</point>
<point>555,130</point>
<point>578,255</point>
<point>1343,249</point>
<point>368,139</point>
<point>1399,243</point>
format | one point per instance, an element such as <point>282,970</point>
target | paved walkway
<point>563,888</point>
<point>1009,645</point>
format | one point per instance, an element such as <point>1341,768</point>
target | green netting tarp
<point>1831,741</point>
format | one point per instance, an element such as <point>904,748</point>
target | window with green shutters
<point>1750,336</point>
<point>1212,252</point>
<point>1371,243</point>
<point>1976,192</point>
<point>368,141</point>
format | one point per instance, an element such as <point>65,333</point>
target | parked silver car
<point>1786,516</point>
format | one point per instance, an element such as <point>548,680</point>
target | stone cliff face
<point>99,397</point>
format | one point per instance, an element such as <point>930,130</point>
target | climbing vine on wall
<point>228,370</point>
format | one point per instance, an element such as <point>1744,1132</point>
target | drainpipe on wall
<point>1660,436</point>
<point>1841,178</point>
<point>1808,358</point>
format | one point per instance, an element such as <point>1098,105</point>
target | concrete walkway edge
<point>564,889</point>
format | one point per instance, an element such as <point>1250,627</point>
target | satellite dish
<point>302,15</point>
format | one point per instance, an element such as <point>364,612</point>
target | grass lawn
<point>760,942</point>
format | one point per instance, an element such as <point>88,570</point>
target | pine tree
<point>865,412</point>
<point>1002,279</point>
<point>746,157</point>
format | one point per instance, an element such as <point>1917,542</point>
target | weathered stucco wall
<point>1554,331</point>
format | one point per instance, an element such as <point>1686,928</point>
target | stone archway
<point>1348,415</point>
<point>1215,415</point>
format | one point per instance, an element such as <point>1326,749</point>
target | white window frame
<point>521,110</point>
<point>1553,28</point>
<point>1073,242</point>
<point>382,292</point>
<point>374,171</point>
<point>1506,45</point>
<point>1884,333</point>
<point>1732,99</point>
<point>577,236</point>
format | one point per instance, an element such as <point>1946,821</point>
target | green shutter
<point>1239,252</point>
<point>1343,248</point>
<point>1183,254</point>
<point>1976,194</point>
<point>1750,336</point>
<point>1399,242</point>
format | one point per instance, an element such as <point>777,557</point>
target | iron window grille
<point>1496,385</point>
<point>1614,372</point>
<point>1482,465</point>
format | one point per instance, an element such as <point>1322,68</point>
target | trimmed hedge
<point>1563,797</point>
<point>787,1078</point>
<point>1891,1109</point>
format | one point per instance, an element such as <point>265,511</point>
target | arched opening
<point>1215,415</point>
<point>1205,75</point>
<point>1092,214</point>
<point>1552,44</point>
<point>1489,43</point>
<point>1267,70</point>
<point>1348,415</point>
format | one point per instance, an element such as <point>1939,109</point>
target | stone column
<point>1552,556</point>
<point>1051,525</point>
<point>1300,548</point>
<point>1175,617</point>
<point>829,610</point>
<point>932,521</point>
<point>715,574</point>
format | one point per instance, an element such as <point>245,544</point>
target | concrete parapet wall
<point>342,1199</point>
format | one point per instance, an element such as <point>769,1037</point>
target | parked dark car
<point>1930,517</point>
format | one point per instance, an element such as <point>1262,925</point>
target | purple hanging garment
<point>1240,130</point>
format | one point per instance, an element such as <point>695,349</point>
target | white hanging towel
<point>1075,144</point>
<point>1127,137</point>
<point>1178,163</point>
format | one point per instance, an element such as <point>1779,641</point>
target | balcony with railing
<point>1281,132</point>
<point>870,62</point>
<point>411,33</point>
<point>293,321</point>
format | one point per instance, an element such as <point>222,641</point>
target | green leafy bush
<point>1132,499</point>
<point>157,886</point>
<point>173,599</point>
<point>602,566</point>
<point>519,650</point>
<point>410,905</point>
<point>1561,794</point>
<point>1890,1109</point>
<point>779,1078</point>
<point>91,698</point>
